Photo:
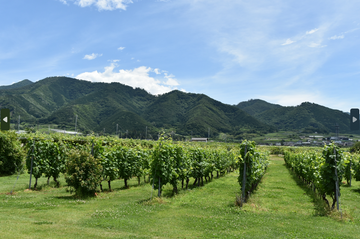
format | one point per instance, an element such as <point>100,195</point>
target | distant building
<point>199,139</point>
<point>65,132</point>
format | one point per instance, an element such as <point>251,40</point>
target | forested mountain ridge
<point>102,106</point>
<point>306,117</point>
<point>16,85</point>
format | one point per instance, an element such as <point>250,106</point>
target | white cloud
<point>336,37</point>
<point>312,31</point>
<point>138,77</point>
<point>63,1</point>
<point>293,98</point>
<point>287,42</point>
<point>170,80</point>
<point>92,56</point>
<point>157,71</point>
<point>105,4</point>
<point>313,45</point>
<point>121,48</point>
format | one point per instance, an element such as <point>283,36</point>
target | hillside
<point>255,107</point>
<point>197,113</point>
<point>101,106</point>
<point>16,85</point>
<point>307,117</point>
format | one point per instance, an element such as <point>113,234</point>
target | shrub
<point>355,148</point>
<point>11,153</point>
<point>83,172</point>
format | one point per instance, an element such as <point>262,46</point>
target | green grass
<point>281,207</point>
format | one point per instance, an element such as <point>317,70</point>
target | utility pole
<point>117,127</point>
<point>76,125</point>
<point>337,131</point>
<point>19,123</point>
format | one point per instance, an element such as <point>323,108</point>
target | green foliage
<point>355,148</point>
<point>319,169</point>
<point>333,157</point>
<point>125,162</point>
<point>256,164</point>
<point>276,150</point>
<point>48,157</point>
<point>11,153</point>
<point>162,165</point>
<point>109,164</point>
<point>83,172</point>
<point>349,167</point>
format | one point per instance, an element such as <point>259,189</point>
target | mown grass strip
<point>278,209</point>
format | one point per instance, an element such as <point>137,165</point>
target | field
<point>281,207</point>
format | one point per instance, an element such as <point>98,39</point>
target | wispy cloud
<point>138,77</point>
<point>63,1</point>
<point>313,44</point>
<point>294,98</point>
<point>103,4</point>
<point>92,56</point>
<point>287,42</point>
<point>157,71</point>
<point>336,37</point>
<point>121,48</point>
<point>312,31</point>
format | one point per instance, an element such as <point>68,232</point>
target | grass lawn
<point>280,208</point>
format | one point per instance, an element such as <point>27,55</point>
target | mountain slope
<point>197,113</point>
<point>255,107</point>
<point>16,85</point>
<point>307,117</point>
<point>101,106</point>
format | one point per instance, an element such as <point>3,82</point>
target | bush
<point>355,148</point>
<point>11,153</point>
<point>276,150</point>
<point>83,172</point>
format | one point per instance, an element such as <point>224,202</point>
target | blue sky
<point>281,51</point>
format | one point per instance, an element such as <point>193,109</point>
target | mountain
<point>307,117</point>
<point>254,107</point>
<point>16,85</point>
<point>101,106</point>
<point>197,113</point>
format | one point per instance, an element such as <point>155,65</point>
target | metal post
<point>76,125</point>
<point>152,187</point>
<point>244,178</point>
<point>336,184</point>
<point>159,192</point>
<point>31,167</point>
<point>350,170</point>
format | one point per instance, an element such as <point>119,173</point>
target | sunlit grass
<point>281,207</point>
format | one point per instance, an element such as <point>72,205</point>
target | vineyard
<point>109,187</point>
<point>86,162</point>
<point>324,171</point>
